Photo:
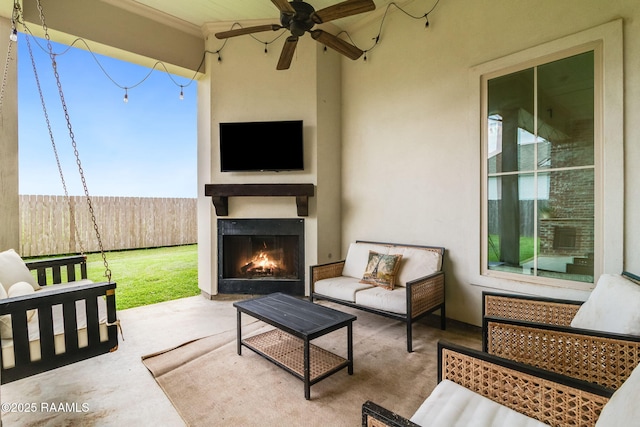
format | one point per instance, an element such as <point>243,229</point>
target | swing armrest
<point>59,270</point>
<point>53,295</point>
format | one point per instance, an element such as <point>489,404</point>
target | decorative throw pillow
<point>381,270</point>
<point>611,307</point>
<point>357,257</point>
<point>5,320</point>
<point>19,289</point>
<point>14,270</point>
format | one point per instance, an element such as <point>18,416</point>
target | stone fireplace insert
<point>261,256</point>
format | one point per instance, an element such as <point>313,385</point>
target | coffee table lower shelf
<point>287,352</point>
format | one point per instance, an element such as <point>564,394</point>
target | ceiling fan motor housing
<point>301,21</point>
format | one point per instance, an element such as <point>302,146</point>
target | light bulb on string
<point>324,49</point>
<point>219,57</point>
<point>126,96</point>
<point>265,48</point>
<point>181,93</point>
<point>14,35</point>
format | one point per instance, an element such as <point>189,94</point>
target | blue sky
<point>144,148</point>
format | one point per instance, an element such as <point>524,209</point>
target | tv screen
<point>261,146</point>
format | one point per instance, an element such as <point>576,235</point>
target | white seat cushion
<point>394,300</point>
<point>415,263</point>
<point>623,409</point>
<point>451,404</point>
<point>611,307</point>
<point>357,258</point>
<point>341,287</point>
<point>65,285</point>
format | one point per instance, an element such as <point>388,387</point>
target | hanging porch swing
<point>59,317</point>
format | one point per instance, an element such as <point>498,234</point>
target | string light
<point>14,17</point>
<point>376,39</point>
<point>125,99</point>
<point>14,37</point>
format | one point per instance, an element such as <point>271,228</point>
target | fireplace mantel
<point>220,194</point>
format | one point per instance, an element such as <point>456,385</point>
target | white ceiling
<point>192,14</point>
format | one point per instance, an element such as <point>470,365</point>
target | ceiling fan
<point>300,17</point>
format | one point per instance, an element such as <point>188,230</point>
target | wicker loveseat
<point>482,390</point>
<point>417,288</point>
<point>544,332</point>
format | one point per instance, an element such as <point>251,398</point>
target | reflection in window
<point>540,170</point>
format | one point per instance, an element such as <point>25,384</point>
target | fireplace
<point>261,256</point>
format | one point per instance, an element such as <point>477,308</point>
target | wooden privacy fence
<point>48,223</point>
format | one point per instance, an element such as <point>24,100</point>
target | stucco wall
<point>245,86</point>
<point>9,231</point>
<point>411,155</point>
<point>408,169</point>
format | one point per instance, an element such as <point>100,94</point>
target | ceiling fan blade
<point>345,48</point>
<point>343,9</point>
<point>247,30</point>
<point>287,53</point>
<point>284,6</point>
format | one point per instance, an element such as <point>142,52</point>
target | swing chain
<point>14,18</point>
<point>53,145</point>
<point>4,76</point>
<point>52,55</point>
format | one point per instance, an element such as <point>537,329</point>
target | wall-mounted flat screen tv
<point>261,146</point>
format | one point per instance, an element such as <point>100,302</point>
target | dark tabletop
<point>296,316</point>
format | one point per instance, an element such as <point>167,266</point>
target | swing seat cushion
<point>14,270</point>
<point>8,358</point>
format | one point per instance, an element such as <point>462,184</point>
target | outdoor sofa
<point>481,390</point>
<point>596,341</point>
<point>53,319</point>
<point>402,282</point>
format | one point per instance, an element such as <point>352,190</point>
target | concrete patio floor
<point>116,389</point>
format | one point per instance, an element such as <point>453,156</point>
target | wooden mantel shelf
<point>220,194</point>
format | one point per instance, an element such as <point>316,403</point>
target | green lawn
<point>526,248</point>
<point>148,276</point>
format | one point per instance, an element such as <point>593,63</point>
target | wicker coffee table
<point>297,322</point>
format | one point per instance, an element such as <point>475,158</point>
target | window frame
<point>606,43</point>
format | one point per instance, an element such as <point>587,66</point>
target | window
<point>552,163</point>
<point>540,169</point>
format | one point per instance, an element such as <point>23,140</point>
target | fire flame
<point>263,262</point>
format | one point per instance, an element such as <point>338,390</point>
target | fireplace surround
<point>261,256</point>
